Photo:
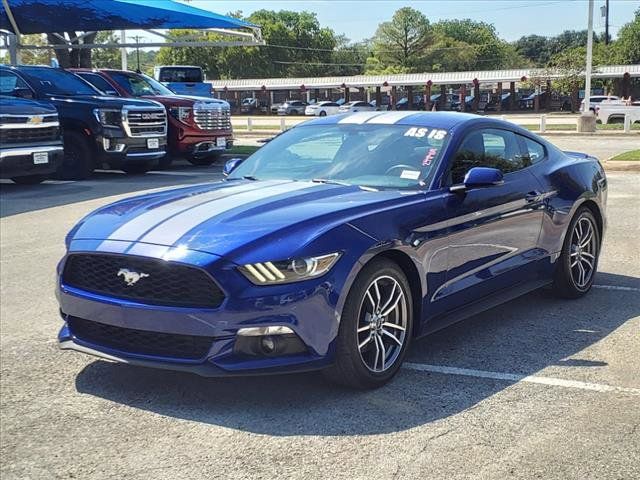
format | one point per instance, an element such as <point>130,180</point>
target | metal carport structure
<point>20,17</point>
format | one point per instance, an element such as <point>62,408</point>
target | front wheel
<point>77,163</point>
<point>375,328</point>
<point>578,261</point>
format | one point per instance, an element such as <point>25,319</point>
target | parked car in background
<point>248,105</point>
<point>468,103</point>
<point>504,100</point>
<point>446,103</point>
<point>30,140</point>
<point>199,127</point>
<point>607,111</point>
<point>418,103</point>
<point>322,109</point>
<point>595,100</point>
<point>357,106</point>
<point>292,107</point>
<point>183,79</point>
<point>384,105</point>
<point>122,133</point>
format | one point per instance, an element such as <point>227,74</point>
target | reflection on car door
<point>493,230</point>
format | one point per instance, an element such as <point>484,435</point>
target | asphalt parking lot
<point>536,388</point>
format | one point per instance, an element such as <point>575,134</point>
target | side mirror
<point>479,177</point>
<point>231,165</point>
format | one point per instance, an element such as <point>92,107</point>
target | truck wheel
<point>136,168</point>
<point>29,179</point>
<point>77,163</point>
<point>203,161</point>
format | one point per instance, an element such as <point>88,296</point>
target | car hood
<point>98,101</point>
<point>20,106</point>
<point>185,100</point>
<point>230,217</point>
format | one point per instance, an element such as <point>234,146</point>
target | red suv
<point>199,127</point>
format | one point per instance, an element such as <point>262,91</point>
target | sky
<point>358,19</point>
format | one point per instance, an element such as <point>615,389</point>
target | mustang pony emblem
<point>131,277</point>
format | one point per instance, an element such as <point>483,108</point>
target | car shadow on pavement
<point>16,199</point>
<point>523,336</point>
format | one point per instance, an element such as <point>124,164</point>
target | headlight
<point>180,113</point>
<point>287,271</point>
<point>108,117</point>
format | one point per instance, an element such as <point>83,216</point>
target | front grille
<point>29,135</point>
<point>142,342</point>
<point>145,123</point>
<point>212,118</point>
<point>162,283</point>
<point>7,119</point>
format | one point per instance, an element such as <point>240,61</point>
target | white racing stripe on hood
<point>141,224</point>
<point>360,117</point>
<point>389,118</point>
<point>176,227</point>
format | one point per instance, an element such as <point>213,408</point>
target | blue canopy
<point>48,16</point>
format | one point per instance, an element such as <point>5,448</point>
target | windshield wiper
<point>245,177</point>
<point>332,182</point>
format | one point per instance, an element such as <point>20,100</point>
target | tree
<point>402,42</point>
<point>627,46</point>
<point>106,57</point>
<point>534,47</point>
<point>72,57</point>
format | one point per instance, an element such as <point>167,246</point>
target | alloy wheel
<point>584,251</point>
<point>382,324</point>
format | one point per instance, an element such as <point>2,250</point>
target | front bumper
<point>306,308</point>
<point>17,161</point>
<point>117,149</point>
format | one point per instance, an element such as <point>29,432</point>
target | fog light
<point>119,147</point>
<point>268,344</point>
<point>106,143</point>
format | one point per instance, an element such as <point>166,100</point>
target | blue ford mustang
<point>332,247</point>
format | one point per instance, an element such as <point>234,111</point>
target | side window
<point>9,81</point>
<point>533,150</point>
<point>492,148</point>
<point>100,83</point>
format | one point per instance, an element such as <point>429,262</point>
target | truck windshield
<point>53,81</point>
<point>140,85</point>
<point>181,74</point>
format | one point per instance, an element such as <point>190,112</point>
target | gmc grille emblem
<point>147,116</point>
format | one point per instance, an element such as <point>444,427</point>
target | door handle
<point>532,197</point>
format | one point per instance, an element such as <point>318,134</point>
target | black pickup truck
<point>30,140</point>
<point>119,133</point>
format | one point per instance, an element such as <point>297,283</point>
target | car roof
<point>445,120</point>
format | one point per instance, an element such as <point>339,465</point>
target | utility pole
<point>587,73</point>
<point>137,39</point>
<point>606,22</point>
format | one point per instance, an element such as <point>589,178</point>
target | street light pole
<point>587,73</point>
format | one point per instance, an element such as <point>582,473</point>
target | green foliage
<point>106,57</point>
<point>627,47</point>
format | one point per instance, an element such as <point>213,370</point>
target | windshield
<point>181,74</point>
<point>378,156</point>
<point>53,81</point>
<point>140,85</point>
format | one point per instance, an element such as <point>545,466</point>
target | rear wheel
<point>578,261</point>
<point>29,179</point>
<point>375,328</point>
<point>323,113</point>
<point>77,163</point>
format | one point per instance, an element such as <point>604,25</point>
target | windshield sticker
<point>410,174</point>
<point>429,157</point>
<point>425,132</point>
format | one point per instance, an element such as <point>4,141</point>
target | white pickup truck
<point>617,109</point>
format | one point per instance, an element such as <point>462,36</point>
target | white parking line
<point>617,287</point>
<point>512,377</point>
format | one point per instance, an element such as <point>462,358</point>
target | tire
<point>136,168</point>
<point>202,161</point>
<point>357,365</point>
<point>29,179</point>
<point>77,163</point>
<point>293,112</point>
<point>578,261</point>
<point>323,113</point>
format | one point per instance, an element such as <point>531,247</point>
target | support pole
<point>123,51</point>
<point>499,91</point>
<point>410,97</point>
<point>587,80</point>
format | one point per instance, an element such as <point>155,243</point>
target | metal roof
<point>406,79</point>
